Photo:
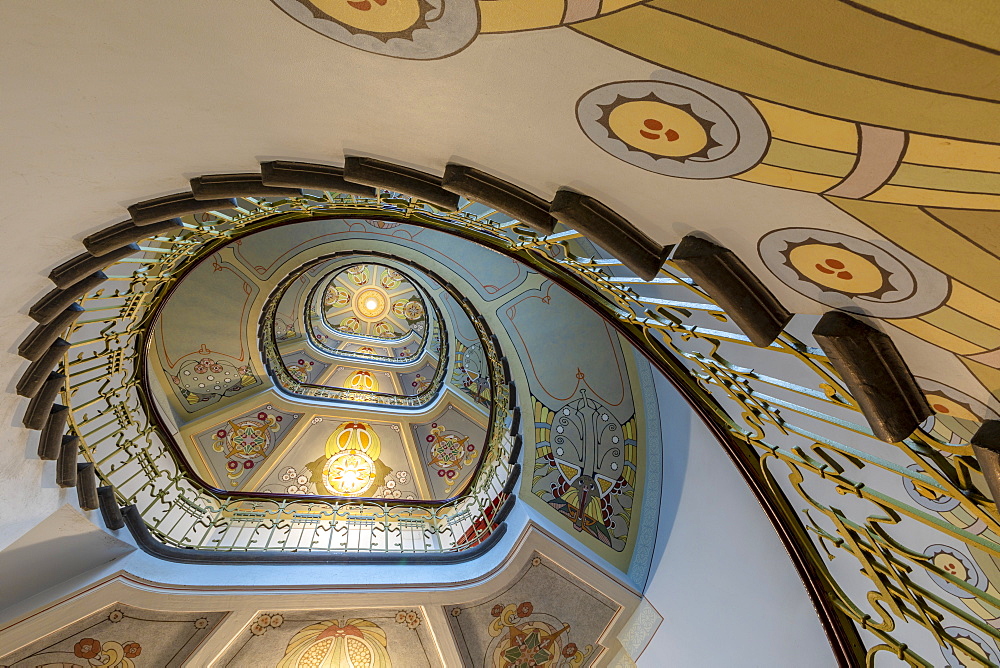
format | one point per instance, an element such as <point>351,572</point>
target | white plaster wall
<point>108,102</point>
<point>726,589</point>
<point>112,101</point>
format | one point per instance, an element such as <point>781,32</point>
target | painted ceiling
<point>848,152</point>
<point>242,429</point>
<point>558,612</point>
<point>886,132</point>
<point>374,301</point>
<point>361,327</point>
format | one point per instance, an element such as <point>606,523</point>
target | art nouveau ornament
<point>351,451</point>
<point>415,29</point>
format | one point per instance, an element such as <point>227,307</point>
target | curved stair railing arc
<point>306,318</point>
<point>283,379</point>
<point>108,420</point>
<point>360,356</point>
<point>797,441</point>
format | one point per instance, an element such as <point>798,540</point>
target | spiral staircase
<point>365,360</point>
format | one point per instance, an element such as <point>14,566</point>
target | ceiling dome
<point>336,373</point>
<point>351,329</point>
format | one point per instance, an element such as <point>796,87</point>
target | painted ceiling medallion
<point>363,380</point>
<point>926,496</point>
<point>874,277</point>
<point>349,473</point>
<point>954,409</point>
<point>956,563</point>
<point>414,29</point>
<point>373,300</point>
<point>675,125</point>
<point>357,643</point>
<point>967,642</point>
<point>351,467</point>
<point>371,303</point>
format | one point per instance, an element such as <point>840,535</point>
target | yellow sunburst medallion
<point>370,303</point>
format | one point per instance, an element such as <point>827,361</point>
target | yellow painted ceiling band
<point>956,153</point>
<point>803,127</point>
<point>943,178</point>
<point>963,326</point>
<point>836,34</point>
<point>927,197</point>
<point>614,5</point>
<point>975,21</point>
<point>932,242</point>
<point>731,61</point>
<point>787,178</point>
<point>983,308</point>
<point>987,375</point>
<point>809,159</point>
<point>980,227</point>
<point>516,15</point>
<point>938,337</point>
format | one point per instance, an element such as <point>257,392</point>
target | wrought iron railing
<point>848,506</point>
<point>800,434</point>
<point>314,323</point>
<point>272,359</point>
<point>371,358</point>
<point>113,417</point>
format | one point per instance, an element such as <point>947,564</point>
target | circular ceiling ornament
<point>967,640</point>
<point>371,303</point>
<point>957,564</point>
<point>949,402</point>
<point>351,451</point>
<point>875,278</point>
<point>412,29</point>
<point>349,473</point>
<point>926,496</point>
<point>336,297</point>
<point>675,125</point>
<point>363,381</point>
<point>372,300</point>
<point>410,310</point>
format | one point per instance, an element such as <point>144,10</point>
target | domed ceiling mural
<point>403,411</point>
<point>846,154</point>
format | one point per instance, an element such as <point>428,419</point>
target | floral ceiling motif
<point>366,638</point>
<point>374,301</point>
<point>545,618</point>
<point>120,636</point>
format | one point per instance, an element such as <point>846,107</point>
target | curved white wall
<point>726,589</point>
<point>119,101</point>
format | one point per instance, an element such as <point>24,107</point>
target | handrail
<point>115,421</point>
<point>802,446</point>
<point>285,380</point>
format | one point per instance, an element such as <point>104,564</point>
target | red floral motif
<point>569,650</point>
<point>87,648</point>
<point>525,609</point>
<point>497,609</point>
<point>132,650</point>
